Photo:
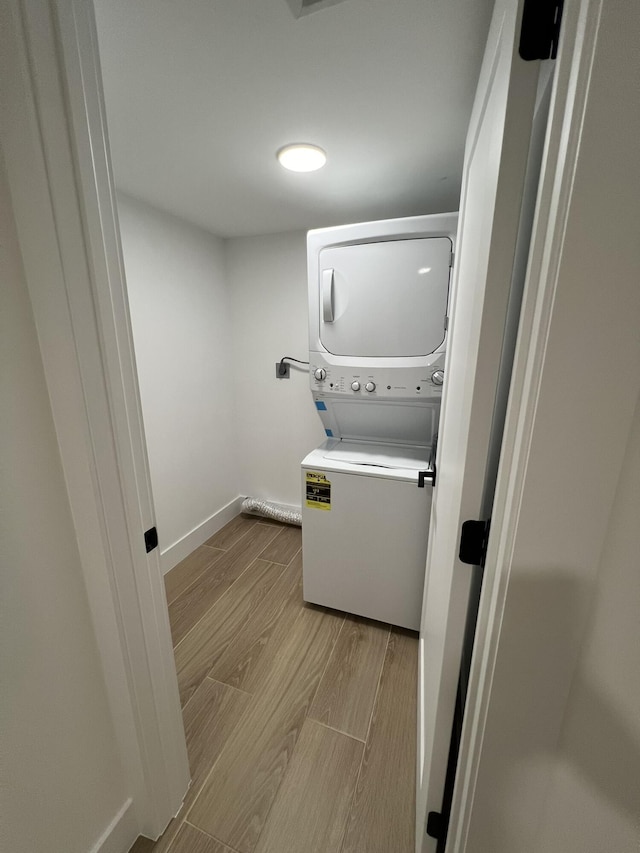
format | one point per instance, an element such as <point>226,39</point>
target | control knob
<point>355,386</point>
<point>320,373</point>
<point>370,386</point>
<point>437,377</point>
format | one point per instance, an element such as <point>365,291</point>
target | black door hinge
<point>540,31</point>
<point>434,825</point>
<point>473,542</point>
<point>150,539</point>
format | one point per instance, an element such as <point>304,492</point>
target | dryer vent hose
<point>286,514</point>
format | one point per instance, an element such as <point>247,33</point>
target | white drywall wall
<point>61,781</point>
<point>593,801</point>
<point>277,423</point>
<point>181,319</point>
<point>593,804</point>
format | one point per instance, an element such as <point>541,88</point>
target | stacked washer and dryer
<point>378,316</point>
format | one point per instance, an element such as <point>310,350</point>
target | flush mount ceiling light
<point>301,157</point>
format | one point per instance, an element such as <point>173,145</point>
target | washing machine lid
<point>379,455</point>
<point>369,460</point>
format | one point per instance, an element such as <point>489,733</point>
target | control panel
<point>386,383</point>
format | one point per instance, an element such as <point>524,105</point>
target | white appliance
<point>378,302</point>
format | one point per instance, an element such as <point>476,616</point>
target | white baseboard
<point>121,833</point>
<point>190,541</point>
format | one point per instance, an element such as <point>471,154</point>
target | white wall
<point>277,423</point>
<point>181,318</point>
<point>594,804</point>
<point>593,801</point>
<point>61,782</point>
<point>210,318</point>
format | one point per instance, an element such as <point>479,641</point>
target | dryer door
<point>386,299</point>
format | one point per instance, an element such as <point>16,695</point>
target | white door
<point>492,242</point>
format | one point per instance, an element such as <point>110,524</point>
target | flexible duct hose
<point>277,512</point>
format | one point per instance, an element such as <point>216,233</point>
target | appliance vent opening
<point>304,7</point>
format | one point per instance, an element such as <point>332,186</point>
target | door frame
<point>562,150</point>
<point>478,332</point>
<point>503,650</point>
<point>57,161</point>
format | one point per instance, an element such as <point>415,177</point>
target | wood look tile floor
<point>300,721</point>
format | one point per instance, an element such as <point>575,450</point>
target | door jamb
<point>56,155</point>
<point>578,45</point>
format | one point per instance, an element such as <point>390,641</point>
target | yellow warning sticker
<point>318,491</point>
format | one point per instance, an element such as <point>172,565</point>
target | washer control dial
<point>437,377</point>
<point>320,373</point>
<point>370,386</point>
<point>355,386</point>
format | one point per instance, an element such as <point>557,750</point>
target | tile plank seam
<point>241,627</point>
<point>277,562</point>
<point>210,565</point>
<point>236,541</point>
<point>224,684</point>
<point>233,542</point>
<point>205,779</point>
<point>215,559</point>
<point>206,568</point>
<point>223,550</point>
<point>366,743</point>
<point>326,666</point>
<point>194,791</point>
<point>307,727</point>
<point>306,717</point>
<point>249,692</point>
<point>255,692</point>
<point>281,533</point>
<point>348,625</point>
<point>208,835</point>
<point>334,729</point>
<point>324,669</point>
<point>241,544</point>
<point>217,681</point>
<point>213,766</point>
<point>225,593</point>
<point>377,693</point>
<point>236,631</point>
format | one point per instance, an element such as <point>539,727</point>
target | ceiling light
<point>301,157</point>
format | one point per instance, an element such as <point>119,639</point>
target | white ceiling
<point>201,93</point>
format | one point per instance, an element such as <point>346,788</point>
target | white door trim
<point>54,141</point>
<point>494,226</point>
<point>577,49</point>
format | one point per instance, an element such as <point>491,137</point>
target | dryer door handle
<point>327,296</point>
